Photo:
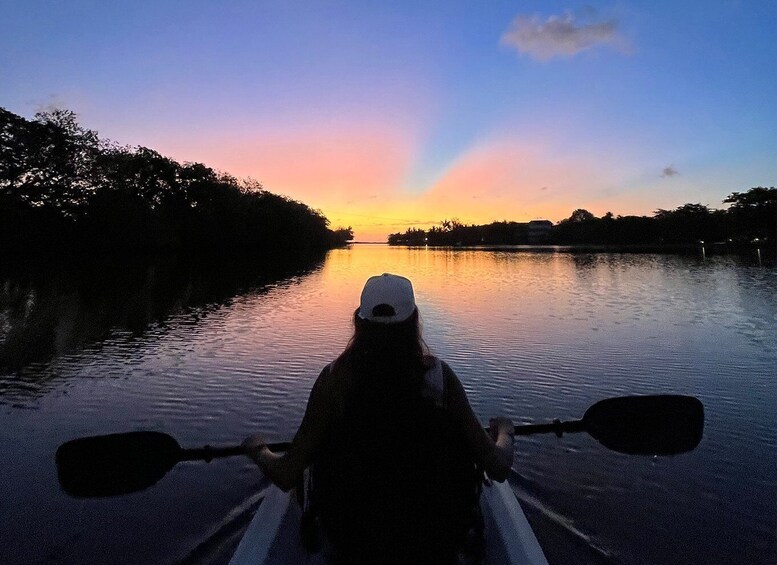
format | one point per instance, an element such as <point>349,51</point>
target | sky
<point>391,115</point>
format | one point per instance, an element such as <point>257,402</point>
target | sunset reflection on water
<point>532,335</point>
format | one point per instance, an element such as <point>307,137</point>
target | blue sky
<point>387,115</point>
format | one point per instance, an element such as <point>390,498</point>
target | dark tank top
<point>400,486</point>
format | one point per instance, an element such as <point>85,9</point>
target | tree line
<point>63,189</point>
<point>454,232</point>
<point>751,217</point>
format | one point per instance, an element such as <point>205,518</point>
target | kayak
<point>273,535</point>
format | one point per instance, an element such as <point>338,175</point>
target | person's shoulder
<point>450,382</point>
<point>454,390</point>
<point>433,362</point>
<point>332,377</point>
<point>430,361</point>
<point>447,372</point>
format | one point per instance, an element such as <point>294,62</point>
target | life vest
<point>405,491</point>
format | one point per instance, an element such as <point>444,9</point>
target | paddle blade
<point>647,425</point>
<point>115,464</point>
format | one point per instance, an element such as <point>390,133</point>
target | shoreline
<point>720,248</point>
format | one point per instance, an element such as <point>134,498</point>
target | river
<point>532,335</point>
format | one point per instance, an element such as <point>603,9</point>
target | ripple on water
<point>531,336</point>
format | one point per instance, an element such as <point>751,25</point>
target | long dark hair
<point>385,362</point>
<point>376,505</point>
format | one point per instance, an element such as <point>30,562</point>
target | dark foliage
<point>750,219</point>
<point>753,214</point>
<point>453,232</point>
<point>63,189</point>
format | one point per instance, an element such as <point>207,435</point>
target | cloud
<point>53,102</point>
<point>669,171</point>
<point>560,36</point>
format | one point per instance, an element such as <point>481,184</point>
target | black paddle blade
<point>647,425</point>
<point>115,464</point>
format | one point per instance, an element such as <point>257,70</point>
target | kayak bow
<point>273,535</point>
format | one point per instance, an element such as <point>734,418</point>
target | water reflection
<point>211,357</point>
<point>46,311</point>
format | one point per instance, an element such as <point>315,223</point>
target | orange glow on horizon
<point>353,173</point>
<point>500,181</point>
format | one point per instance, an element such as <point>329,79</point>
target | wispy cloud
<point>52,102</point>
<point>561,36</point>
<point>669,171</point>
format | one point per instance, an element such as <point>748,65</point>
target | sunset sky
<point>389,115</point>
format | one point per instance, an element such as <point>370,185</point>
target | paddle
<point>637,425</point>
<point>117,464</point>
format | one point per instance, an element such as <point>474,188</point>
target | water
<point>533,336</point>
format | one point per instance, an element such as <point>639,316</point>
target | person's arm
<point>285,469</point>
<point>495,455</point>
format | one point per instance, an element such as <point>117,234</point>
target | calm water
<point>533,336</point>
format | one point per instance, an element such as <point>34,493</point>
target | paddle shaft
<point>207,453</point>
<point>557,427</point>
<point>117,464</point>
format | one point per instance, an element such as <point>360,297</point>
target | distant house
<point>539,231</point>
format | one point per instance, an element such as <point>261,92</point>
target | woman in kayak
<point>395,451</point>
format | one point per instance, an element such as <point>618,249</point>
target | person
<point>395,451</point>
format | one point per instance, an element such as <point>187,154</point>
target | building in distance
<point>539,231</point>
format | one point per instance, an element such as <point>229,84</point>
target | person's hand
<point>253,444</point>
<point>500,425</point>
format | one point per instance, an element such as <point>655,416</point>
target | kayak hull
<point>509,537</point>
<point>273,537</point>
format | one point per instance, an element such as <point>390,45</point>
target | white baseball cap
<point>387,299</point>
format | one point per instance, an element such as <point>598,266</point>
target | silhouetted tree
<point>343,235</point>
<point>689,223</point>
<point>581,227</point>
<point>453,232</point>
<point>413,237</point>
<point>62,188</point>
<point>581,215</point>
<point>753,214</point>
